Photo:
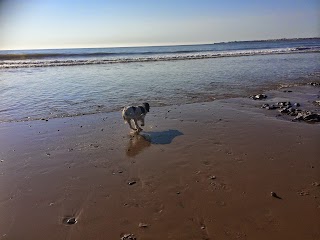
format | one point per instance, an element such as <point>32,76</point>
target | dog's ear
<point>146,106</point>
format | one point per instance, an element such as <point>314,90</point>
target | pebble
<point>273,194</point>
<point>308,116</point>
<point>143,225</point>
<point>316,184</point>
<point>296,104</point>
<point>132,182</point>
<point>128,236</point>
<point>258,96</point>
<point>303,193</point>
<point>269,107</point>
<point>213,177</point>
<point>71,221</point>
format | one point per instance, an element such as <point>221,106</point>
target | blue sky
<point>29,24</point>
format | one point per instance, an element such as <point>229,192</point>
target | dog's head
<point>146,106</point>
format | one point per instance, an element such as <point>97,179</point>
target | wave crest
<point>180,55</point>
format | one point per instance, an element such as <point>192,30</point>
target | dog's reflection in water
<point>136,144</point>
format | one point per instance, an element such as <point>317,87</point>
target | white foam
<point>154,58</point>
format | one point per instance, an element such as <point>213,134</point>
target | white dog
<point>136,114</point>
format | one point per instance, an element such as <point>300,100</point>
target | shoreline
<point>311,78</point>
<point>197,171</point>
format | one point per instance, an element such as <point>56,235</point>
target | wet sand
<point>197,171</point>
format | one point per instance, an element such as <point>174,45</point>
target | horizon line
<point>166,45</point>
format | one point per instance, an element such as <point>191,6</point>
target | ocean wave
<point>32,56</point>
<point>178,55</point>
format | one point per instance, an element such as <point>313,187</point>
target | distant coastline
<point>168,45</point>
<point>273,40</point>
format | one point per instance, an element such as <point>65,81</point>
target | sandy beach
<point>197,171</point>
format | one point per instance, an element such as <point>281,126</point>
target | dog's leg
<point>142,121</point>
<point>137,126</point>
<point>130,125</point>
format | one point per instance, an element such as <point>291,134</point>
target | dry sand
<point>199,171</point>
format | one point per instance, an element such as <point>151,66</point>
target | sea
<point>58,83</point>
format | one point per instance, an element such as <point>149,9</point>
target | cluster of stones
<point>315,84</point>
<point>292,110</point>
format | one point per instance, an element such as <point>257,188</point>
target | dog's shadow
<point>138,142</point>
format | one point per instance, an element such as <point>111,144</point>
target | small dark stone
<point>271,107</point>
<point>178,192</point>
<point>296,104</point>
<point>313,117</point>
<point>303,193</point>
<point>213,177</point>
<point>258,96</point>
<point>132,182</point>
<point>143,225</point>
<point>48,154</point>
<point>70,220</point>
<point>284,110</point>
<point>273,194</point>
